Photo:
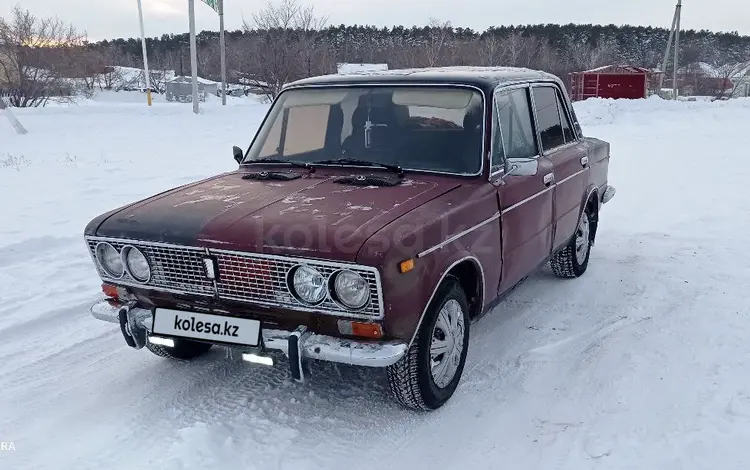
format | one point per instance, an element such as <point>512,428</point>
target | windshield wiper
<point>278,160</point>
<point>357,162</point>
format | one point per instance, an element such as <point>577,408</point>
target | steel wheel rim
<point>447,343</point>
<point>582,239</point>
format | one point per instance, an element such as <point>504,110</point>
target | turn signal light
<point>361,329</point>
<point>110,291</point>
<point>406,266</point>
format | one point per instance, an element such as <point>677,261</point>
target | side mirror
<point>239,155</point>
<point>519,167</point>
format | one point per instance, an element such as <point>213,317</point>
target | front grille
<point>243,277</point>
<point>176,268</point>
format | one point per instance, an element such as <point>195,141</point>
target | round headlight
<point>308,285</point>
<point>109,259</point>
<point>351,289</point>
<point>136,264</point>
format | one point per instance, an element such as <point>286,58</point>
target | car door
<point>560,144</point>
<point>525,196</point>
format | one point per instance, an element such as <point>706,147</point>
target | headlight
<point>109,259</point>
<point>351,289</point>
<point>308,285</point>
<point>136,264</point>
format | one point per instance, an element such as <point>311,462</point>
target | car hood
<point>309,216</point>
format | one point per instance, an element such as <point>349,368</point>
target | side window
<point>548,117</point>
<point>514,116</point>
<point>567,128</point>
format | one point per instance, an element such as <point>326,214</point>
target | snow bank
<point>598,111</point>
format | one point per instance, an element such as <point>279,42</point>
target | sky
<point>108,19</point>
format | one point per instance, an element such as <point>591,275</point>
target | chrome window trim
<point>455,237</point>
<point>483,155</point>
<point>503,88</point>
<point>440,282</point>
<point>530,198</point>
<point>542,151</point>
<point>560,112</point>
<point>348,313</point>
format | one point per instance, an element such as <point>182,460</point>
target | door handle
<point>548,179</point>
<point>585,162</point>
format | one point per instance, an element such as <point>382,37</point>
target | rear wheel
<point>183,349</point>
<point>428,374</point>
<point>573,260</point>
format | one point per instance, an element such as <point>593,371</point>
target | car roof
<point>486,78</point>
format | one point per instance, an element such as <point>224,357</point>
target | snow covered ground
<point>644,363</point>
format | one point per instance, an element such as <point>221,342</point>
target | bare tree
<point>437,41</point>
<point>732,77</point>
<point>281,48</point>
<point>584,56</point>
<point>36,55</point>
<point>111,76</point>
<point>489,50</point>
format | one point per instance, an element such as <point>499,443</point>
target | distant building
<point>347,68</point>
<point>181,89</point>
<point>613,81</point>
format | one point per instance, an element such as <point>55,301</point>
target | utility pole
<point>193,55</point>
<point>145,54</point>
<point>674,34</point>
<point>678,13</point>
<point>667,52</point>
<point>12,118</point>
<point>223,54</point>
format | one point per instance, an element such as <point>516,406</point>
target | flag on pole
<point>214,4</point>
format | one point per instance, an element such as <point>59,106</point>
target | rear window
<point>420,128</point>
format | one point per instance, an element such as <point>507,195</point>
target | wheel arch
<point>468,271</point>
<point>591,204</point>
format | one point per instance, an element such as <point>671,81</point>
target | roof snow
<point>345,68</point>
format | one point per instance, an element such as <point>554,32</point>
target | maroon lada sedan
<point>373,218</point>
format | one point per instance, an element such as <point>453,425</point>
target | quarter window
<point>498,152</point>
<point>548,118</point>
<point>514,116</point>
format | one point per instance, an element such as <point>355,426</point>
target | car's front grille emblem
<point>210,265</point>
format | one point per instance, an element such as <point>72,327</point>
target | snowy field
<point>644,363</point>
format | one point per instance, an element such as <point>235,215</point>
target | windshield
<point>417,128</point>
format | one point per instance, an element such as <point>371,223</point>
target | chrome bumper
<point>136,323</point>
<point>609,193</point>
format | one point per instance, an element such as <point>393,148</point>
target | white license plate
<point>206,327</point>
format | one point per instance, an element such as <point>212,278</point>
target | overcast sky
<point>104,19</point>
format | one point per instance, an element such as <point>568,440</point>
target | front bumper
<point>137,323</point>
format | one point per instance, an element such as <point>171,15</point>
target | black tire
<point>565,263</point>
<point>183,349</point>
<point>410,379</point>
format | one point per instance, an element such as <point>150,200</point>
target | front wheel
<point>428,374</point>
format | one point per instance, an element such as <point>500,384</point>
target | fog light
<point>166,342</point>
<point>254,358</point>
